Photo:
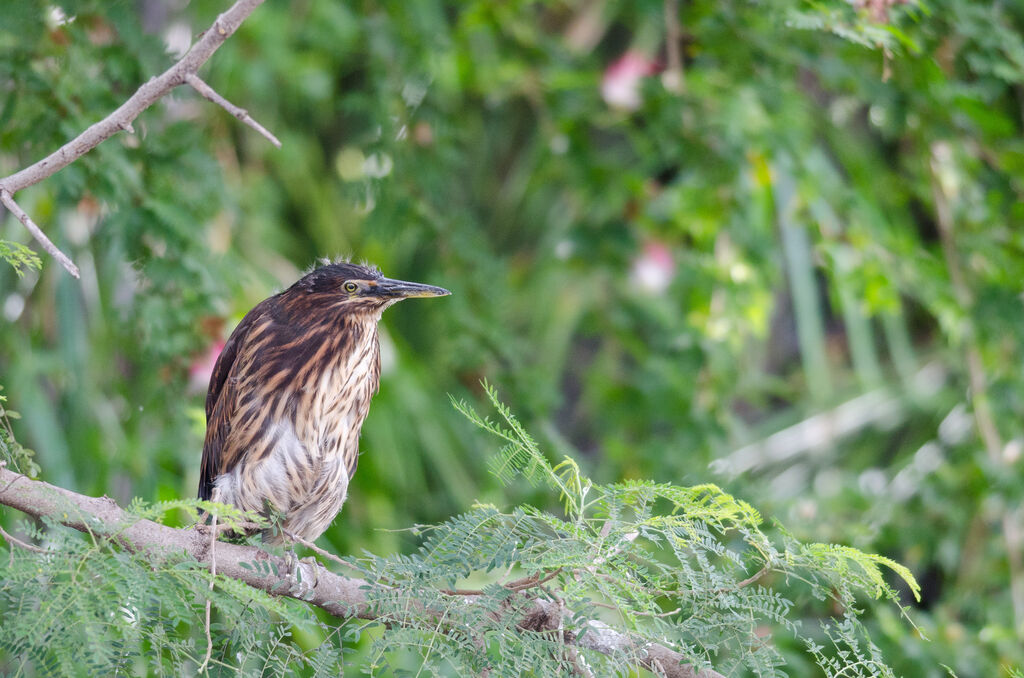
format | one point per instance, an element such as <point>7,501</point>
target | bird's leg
<point>298,574</point>
<point>296,565</point>
<point>304,573</point>
<point>314,565</point>
<point>292,564</point>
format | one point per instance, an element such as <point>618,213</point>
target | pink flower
<point>620,84</point>
<point>654,268</point>
<point>201,369</point>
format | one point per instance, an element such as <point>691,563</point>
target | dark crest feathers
<point>331,274</point>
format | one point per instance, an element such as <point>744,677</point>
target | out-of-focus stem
<point>943,190</point>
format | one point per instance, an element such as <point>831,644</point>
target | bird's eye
<point>350,287</point>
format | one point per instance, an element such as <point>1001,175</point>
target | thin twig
<point>17,476</point>
<point>578,573</point>
<point>244,525</point>
<point>607,606</point>
<point>532,581</point>
<point>319,551</point>
<point>37,233</point>
<point>662,614</point>
<point>213,577</point>
<point>629,538</point>
<point>17,542</point>
<point>225,528</point>
<point>209,94</point>
<point>750,580</point>
<point>746,582</point>
<point>462,592</point>
<point>121,119</point>
<point>522,584</point>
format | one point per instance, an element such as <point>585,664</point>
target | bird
<point>289,393</point>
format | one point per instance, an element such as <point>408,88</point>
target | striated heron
<point>289,393</point>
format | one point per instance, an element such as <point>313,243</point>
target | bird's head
<point>353,288</point>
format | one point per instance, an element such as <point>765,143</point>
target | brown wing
<point>221,399</point>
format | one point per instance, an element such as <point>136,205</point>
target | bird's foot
<point>303,574</point>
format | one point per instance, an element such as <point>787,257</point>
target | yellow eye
<point>350,287</point>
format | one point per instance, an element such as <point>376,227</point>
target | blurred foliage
<point>791,267</point>
<point>614,559</point>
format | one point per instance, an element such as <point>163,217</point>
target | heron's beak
<point>400,289</point>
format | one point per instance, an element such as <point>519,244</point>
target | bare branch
<point>22,544</point>
<point>121,119</point>
<point>316,549</point>
<point>213,578</point>
<point>343,597</point>
<point>532,581</point>
<point>8,200</point>
<point>208,93</point>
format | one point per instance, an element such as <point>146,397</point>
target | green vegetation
<point>626,552</point>
<point>790,268</point>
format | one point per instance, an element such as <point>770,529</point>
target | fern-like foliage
<point>690,568</point>
<point>15,455</point>
<point>20,257</point>
<point>87,607</point>
<point>681,566</point>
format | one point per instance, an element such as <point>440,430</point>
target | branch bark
<point>8,201</point>
<point>343,597</point>
<point>182,72</point>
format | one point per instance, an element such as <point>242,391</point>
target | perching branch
<point>183,72</point>
<point>343,597</point>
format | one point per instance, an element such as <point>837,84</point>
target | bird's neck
<point>356,346</point>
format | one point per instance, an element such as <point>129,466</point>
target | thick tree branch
<point>343,597</point>
<point>184,71</point>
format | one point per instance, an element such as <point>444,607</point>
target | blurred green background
<point>775,246</point>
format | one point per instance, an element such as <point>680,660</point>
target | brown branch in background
<point>673,79</point>
<point>944,192</point>
<point>121,119</point>
<point>587,27</point>
<point>943,189</point>
<point>343,597</point>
